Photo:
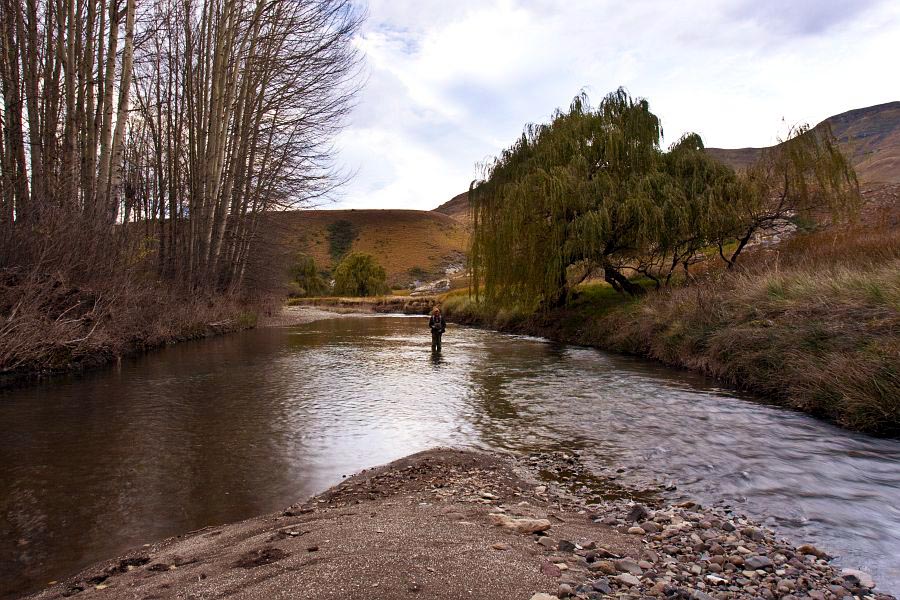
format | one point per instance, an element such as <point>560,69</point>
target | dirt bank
<point>408,305</point>
<point>448,524</point>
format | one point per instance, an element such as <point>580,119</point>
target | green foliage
<point>340,238</point>
<point>805,174</point>
<point>359,275</point>
<point>592,191</point>
<point>308,279</point>
<point>591,188</point>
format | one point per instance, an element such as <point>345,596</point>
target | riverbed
<point>223,429</point>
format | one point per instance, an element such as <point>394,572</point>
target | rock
<point>519,525</point>
<point>602,585</point>
<point>500,546</point>
<point>858,577</point>
<point>650,527</point>
<point>565,591</point>
<point>540,490</point>
<point>546,542</point>
<point>628,579</point>
<point>543,596</point>
<point>758,562</point>
<point>811,550</point>
<point>638,512</point>
<point>636,531</point>
<point>626,565</point>
<point>604,567</point>
<point>566,546</point>
<point>549,569</point>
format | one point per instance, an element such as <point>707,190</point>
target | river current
<point>227,428</point>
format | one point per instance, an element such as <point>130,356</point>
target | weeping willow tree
<point>697,195</point>
<point>591,190</point>
<point>804,175</point>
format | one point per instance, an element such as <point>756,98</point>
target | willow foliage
<point>591,188</point>
<point>592,191</point>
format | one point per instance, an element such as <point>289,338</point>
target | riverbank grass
<point>814,325</point>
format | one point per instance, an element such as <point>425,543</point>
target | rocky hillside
<point>457,208</point>
<point>870,136</point>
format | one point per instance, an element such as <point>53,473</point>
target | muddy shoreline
<point>461,524</point>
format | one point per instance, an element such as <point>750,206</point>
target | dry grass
<point>815,325</point>
<point>49,325</point>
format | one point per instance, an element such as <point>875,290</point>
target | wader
<point>436,340</point>
<point>437,325</point>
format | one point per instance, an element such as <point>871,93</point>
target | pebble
<point>689,552</point>
<point>628,579</point>
<point>864,579</point>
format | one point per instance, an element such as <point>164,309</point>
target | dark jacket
<point>437,324</point>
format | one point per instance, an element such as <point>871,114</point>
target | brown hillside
<point>409,244</point>
<point>457,207</point>
<point>870,136</point>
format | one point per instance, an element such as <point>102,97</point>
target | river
<point>227,428</point>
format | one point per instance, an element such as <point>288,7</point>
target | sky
<point>449,84</point>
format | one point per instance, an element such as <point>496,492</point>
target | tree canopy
<point>359,275</point>
<point>593,191</point>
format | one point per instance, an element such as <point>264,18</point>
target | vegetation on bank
<point>143,154</point>
<point>814,324</point>
<point>592,196</point>
<point>592,193</point>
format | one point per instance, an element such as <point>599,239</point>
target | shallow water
<point>224,429</point>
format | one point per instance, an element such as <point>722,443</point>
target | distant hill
<point>870,136</point>
<point>456,207</point>
<point>410,244</point>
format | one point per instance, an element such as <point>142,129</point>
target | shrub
<point>307,278</point>
<point>359,275</point>
<point>340,238</point>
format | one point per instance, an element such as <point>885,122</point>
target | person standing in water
<point>438,326</point>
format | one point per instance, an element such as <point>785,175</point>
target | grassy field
<point>409,244</point>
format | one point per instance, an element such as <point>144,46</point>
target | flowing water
<point>224,429</point>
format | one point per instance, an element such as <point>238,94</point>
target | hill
<point>870,136</point>
<point>456,207</point>
<point>410,244</point>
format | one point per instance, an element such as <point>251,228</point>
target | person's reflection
<point>437,359</point>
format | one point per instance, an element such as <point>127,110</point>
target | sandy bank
<point>448,524</point>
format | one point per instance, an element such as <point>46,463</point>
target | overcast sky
<point>451,83</point>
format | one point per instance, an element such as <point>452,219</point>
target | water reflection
<point>224,429</point>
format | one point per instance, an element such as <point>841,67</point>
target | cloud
<point>451,84</point>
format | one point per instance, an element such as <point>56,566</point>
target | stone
<point>811,550</point>
<point>500,546</point>
<point>628,579</point>
<point>550,570</point>
<point>519,525</point>
<point>543,596</point>
<point>604,567</point>
<point>758,562</point>
<point>566,546</point>
<point>638,512</point>
<point>626,565</point>
<point>565,591</point>
<point>858,577</point>
<point>547,542</point>
<point>602,585</point>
